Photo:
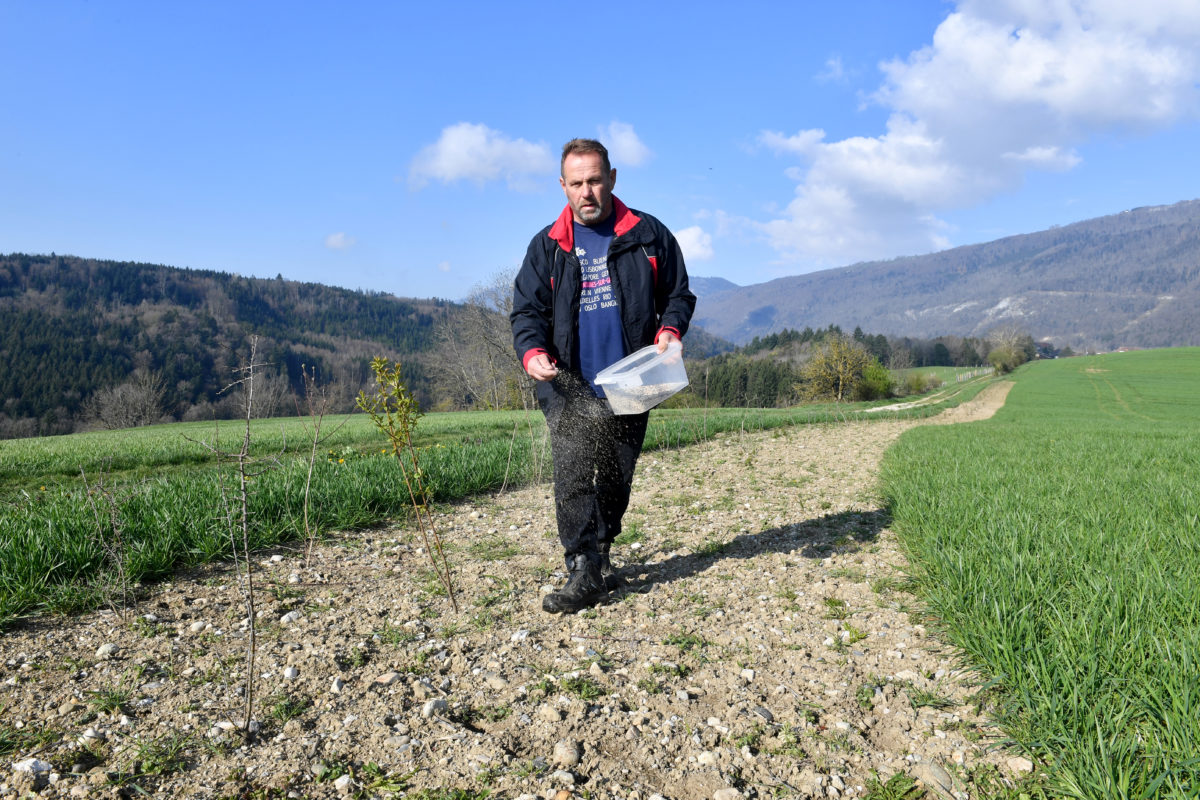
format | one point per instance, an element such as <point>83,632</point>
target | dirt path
<point>764,646</point>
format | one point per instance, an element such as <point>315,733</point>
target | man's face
<point>587,187</point>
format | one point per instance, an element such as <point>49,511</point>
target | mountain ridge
<point>1131,278</point>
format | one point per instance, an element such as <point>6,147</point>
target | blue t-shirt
<point>600,340</point>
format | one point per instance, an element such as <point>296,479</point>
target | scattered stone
<point>291,673</point>
<point>290,617</point>
<point>107,650</point>
<point>935,778</point>
<point>563,777</point>
<point>32,765</point>
<point>387,679</point>
<point>566,753</point>
<point>337,685</point>
<point>1020,765</point>
<point>434,707</point>
<point>728,793</point>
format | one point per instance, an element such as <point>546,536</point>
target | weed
<point>853,634</point>
<point>925,698</point>
<point>584,687</point>
<point>18,740</point>
<point>836,608</point>
<point>288,707</point>
<point>686,641</point>
<point>493,548</point>
<point>865,696</point>
<point>394,635</point>
<point>897,787</point>
<point>649,686</point>
<point>672,670</point>
<point>109,699</point>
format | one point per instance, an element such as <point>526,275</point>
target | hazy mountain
<point>1129,279</point>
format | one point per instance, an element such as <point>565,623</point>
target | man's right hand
<point>541,368</point>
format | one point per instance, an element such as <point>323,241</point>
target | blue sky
<point>413,149</point>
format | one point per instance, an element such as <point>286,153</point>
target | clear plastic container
<point>642,380</point>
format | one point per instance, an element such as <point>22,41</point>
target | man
<point>599,283</point>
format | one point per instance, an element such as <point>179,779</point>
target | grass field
<point>1058,545</point>
<point>167,504</point>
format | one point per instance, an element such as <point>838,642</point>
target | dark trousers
<point>594,453</point>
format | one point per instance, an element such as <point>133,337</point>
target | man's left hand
<point>665,338</point>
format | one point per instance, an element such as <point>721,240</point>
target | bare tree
<point>138,401</point>
<point>477,360</point>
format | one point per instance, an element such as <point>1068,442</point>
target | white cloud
<point>833,72</point>
<point>695,243</point>
<point>470,151</point>
<point>339,241</point>
<point>624,146</point>
<point>443,266</point>
<point>1005,86</point>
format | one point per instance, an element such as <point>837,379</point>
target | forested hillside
<point>72,327</point>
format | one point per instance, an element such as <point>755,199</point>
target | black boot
<point>608,573</point>
<point>583,588</point>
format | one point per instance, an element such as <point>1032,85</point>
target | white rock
<point>291,673</point>
<point>435,706</point>
<point>343,783</point>
<point>566,753</point>
<point>198,626</point>
<point>387,678</point>
<point>106,650</point>
<point>747,676</point>
<point>1018,764</point>
<point>563,777</point>
<point>728,793</point>
<point>519,636</point>
<point>707,759</point>
<point>290,617</point>
<point>90,736</point>
<point>337,685</point>
<point>32,765</point>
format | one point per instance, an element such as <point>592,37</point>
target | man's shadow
<point>845,532</point>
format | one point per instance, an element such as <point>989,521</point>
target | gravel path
<point>764,647</point>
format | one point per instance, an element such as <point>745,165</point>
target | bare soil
<point>765,646</point>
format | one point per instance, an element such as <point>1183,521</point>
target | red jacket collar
<point>563,231</point>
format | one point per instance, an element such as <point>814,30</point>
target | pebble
<point>748,676</point>
<point>1018,764</point>
<point>566,753</point>
<point>728,793</point>
<point>343,784</point>
<point>32,765</point>
<point>435,706</point>
<point>291,673</point>
<point>197,627</point>
<point>107,650</point>
<point>337,685</point>
<point>563,777</point>
<point>290,617</point>
<point>387,678</point>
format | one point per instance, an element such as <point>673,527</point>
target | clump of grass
<point>583,687</point>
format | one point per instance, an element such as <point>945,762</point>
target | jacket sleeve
<point>533,303</point>
<point>673,299</point>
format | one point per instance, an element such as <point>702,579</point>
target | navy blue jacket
<point>649,281</point>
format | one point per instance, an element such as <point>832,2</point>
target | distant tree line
<point>78,336</point>
<point>88,343</point>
